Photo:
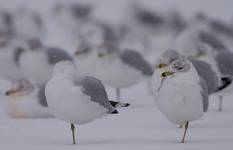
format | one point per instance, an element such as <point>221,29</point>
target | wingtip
<point>114,112</point>
<point>127,105</point>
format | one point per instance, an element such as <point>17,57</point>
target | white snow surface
<point>139,127</point>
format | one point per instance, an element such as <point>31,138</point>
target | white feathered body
<point>113,72</point>
<point>67,102</point>
<point>180,99</point>
<point>26,106</point>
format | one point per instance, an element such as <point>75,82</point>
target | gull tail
<point>226,81</point>
<point>119,104</point>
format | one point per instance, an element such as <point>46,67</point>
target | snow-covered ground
<point>138,127</point>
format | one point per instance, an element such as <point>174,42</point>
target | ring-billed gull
<point>183,96</point>
<point>27,100</point>
<point>76,99</point>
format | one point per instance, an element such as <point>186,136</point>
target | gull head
<point>180,65</point>
<point>107,49</point>
<point>65,68</point>
<point>167,58</point>
<point>20,87</point>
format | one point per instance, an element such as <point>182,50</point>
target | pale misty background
<point>138,128</point>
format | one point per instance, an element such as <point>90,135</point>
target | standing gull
<point>183,94</point>
<point>203,45</point>
<point>221,63</point>
<point>118,69</point>
<point>122,68</point>
<point>207,67</point>
<point>225,64</point>
<point>76,99</point>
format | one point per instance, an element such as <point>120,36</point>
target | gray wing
<point>55,55</point>
<point>225,63</point>
<point>17,53</point>
<point>96,90</point>
<point>135,60</point>
<point>81,11</point>
<point>6,19</point>
<point>41,96</point>
<point>212,40</point>
<point>207,73</point>
<point>148,17</point>
<point>221,27</point>
<point>204,94</point>
<point>109,34</point>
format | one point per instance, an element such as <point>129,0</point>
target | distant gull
<point>183,96</point>
<point>27,100</point>
<point>27,24</point>
<point>36,61</point>
<point>121,69</point>
<point>8,49</point>
<point>76,99</point>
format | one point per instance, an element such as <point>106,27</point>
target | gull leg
<point>220,103</point>
<point>181,126</point>
<point>118,94</point>
<point>186,127</point>
<point>73,132</point>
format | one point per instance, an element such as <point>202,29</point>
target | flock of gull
<point>183,60</point>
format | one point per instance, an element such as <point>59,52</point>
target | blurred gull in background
<point>26,100</point>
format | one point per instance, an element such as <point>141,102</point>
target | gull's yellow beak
<point>159,66</point>
<point>167,73</point>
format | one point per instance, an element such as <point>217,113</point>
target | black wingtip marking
<point>226,82</point>
<point>115,112</point>
<point>127,105</point>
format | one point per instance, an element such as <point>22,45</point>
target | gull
<point>27,24</point>
<point>70,20</point>
<point>200,43</point>
<point>221,64</point>
<point>36,61</point>
<point>76,99</point>
<point>8,51</point>
<point>27,100</point>
<point>206,67</point>
<point>121,69</point>
<point>6,23</point>
<point>190,41</point>
<point>183,95</point>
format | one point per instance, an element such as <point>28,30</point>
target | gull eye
<point>180,68</point>
<point>160,66</point>
<point>163,74</point>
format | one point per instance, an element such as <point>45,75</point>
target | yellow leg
<point>186,127</point>
<point>73,132</point>
<point>220,103</point>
